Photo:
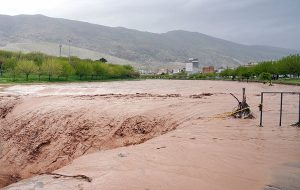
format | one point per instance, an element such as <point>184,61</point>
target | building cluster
<point>192,66</point>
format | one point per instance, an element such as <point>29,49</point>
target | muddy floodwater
<point>151,134</point>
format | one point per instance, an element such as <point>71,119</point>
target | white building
<point>146,72</point>
<point>192,66</point>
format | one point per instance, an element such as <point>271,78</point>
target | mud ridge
<point>40,141</point>
<point>7,104</point>
<point>141,95</point>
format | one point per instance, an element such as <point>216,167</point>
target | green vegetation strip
<point>17,67</point>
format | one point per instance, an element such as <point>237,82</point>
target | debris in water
<point>56,175</point>
<point>200,95</point>
<point>243,109</point>
<point>122,155</point>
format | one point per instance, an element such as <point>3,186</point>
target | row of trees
<point>16,64</point>
<point>267,70</point>
<point>182,76</point>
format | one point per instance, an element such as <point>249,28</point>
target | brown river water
<point>151,134</point>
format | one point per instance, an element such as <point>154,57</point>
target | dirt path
<point>46,127</point>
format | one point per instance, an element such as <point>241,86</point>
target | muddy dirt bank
<point>41,134</point>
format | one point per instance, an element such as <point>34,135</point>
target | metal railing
<point>281,102</point>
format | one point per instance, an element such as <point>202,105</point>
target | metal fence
<point>281,102</point>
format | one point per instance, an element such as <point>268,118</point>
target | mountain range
<point>126,46</point>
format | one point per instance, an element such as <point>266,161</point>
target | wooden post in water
<point>299,112</point>
<point>281,99</point>
<point>261,109</point>
<point>243,110</point>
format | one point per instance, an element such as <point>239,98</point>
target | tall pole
<point>299,112</point>
<point>261,108</point>
<point>244,94</point>
<point>69,52</point>
<point>281,97</point>
<point>60,50</point>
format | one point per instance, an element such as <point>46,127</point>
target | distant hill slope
<point>142,49</point>
<point>53,49</point>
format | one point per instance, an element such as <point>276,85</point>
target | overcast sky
<point>263,22</point>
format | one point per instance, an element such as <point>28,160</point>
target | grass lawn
<point>44,79</point>
<point>294,81</point>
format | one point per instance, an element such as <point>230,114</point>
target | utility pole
<point>69,52</point>
<point>60,46</point>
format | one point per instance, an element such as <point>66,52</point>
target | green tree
<point>265,76</point>
<point>245,72</point>
<point>264,67</point>
<point>289,65</point>
<point>10,67</point>
<point>103,60</point>
<point>225,73</point>
<point>26,67</point>
<point>39,71</point>
<point>100,69</point>
<point>129,72</point>
<point>66,70</point>
<point>83,68</point>
<point>10,63</point>
<point>50,67</point>
<point>37,57</point>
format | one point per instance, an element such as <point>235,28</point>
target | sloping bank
<point>42,134</point>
